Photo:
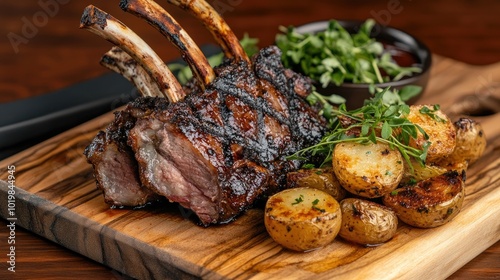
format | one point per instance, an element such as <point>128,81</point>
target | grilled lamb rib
<point>225,144</point>
<point>115,168</point>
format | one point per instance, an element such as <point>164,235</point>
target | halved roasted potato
<point>470,142</point>
<point>430,203</point>
<point>317,178</point>
<point>438,127</point>
<point>367,222</point>
<point>416,172</point>
<point>450,164</point>
<point>302,219</point>
<point>368,170</point>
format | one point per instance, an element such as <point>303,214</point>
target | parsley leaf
<point>432,113</point>
<point>315,207</point>
<point>299,199</point>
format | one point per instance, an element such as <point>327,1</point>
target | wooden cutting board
<point>56,198</point>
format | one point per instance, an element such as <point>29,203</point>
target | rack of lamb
<point>216,145</point>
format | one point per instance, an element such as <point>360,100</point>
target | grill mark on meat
<point>223,131</point>
<point>229,133</point>
<point>255,102</point>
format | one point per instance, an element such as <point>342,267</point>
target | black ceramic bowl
<point>355,94</point>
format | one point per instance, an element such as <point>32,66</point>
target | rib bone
<point>216,25</point>
<point>122,63</point>
<point>111,29</point>
<point>156,16</point>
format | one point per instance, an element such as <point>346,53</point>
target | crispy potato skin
<point>442,134</point>
<point>431,203</point>
<point>370,170</point>
<point>366,222</point>
<point>317,178</point>
<point>420,172</point>
<point>470,143</point>
<point>302,219</point>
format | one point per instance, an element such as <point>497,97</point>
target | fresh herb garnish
<point>412,182</point>
<point>308,166</point>
<point>299,200</point>
<point>335,56</point>
<point>376,121</point>
<point>432,113</point>
<point>315,207</point>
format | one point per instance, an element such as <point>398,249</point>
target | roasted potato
<point>368,170</point>
<point>366,222</point>
<point>416,172</point>
<point>302,219</point>
<point>450,164</point>
<point>316,178</point>
<point>430,203</point>
<point>440,129</point>
<point>470,142</point>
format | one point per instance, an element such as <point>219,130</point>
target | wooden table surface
<point>43,50</point>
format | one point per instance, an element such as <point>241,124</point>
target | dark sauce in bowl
<point>403,58</point>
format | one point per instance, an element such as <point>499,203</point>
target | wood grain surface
<point>57,55</point>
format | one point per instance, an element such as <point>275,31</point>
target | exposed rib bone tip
<point>216,25</point>
<point>93,16</point>
<point>113,30</point>
<point>160,19</point>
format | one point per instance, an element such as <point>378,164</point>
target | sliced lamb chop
<point>221,32</point>
<point>156,16</point>
<point>111,29</point>
<point>115,167</point>
<point>122,63</point>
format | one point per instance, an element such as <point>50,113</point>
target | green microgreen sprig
<point>432,112</point>
<point>315,206</point>
<point>334,56</point>
<point>298,200</point>
<point>376,121</point>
